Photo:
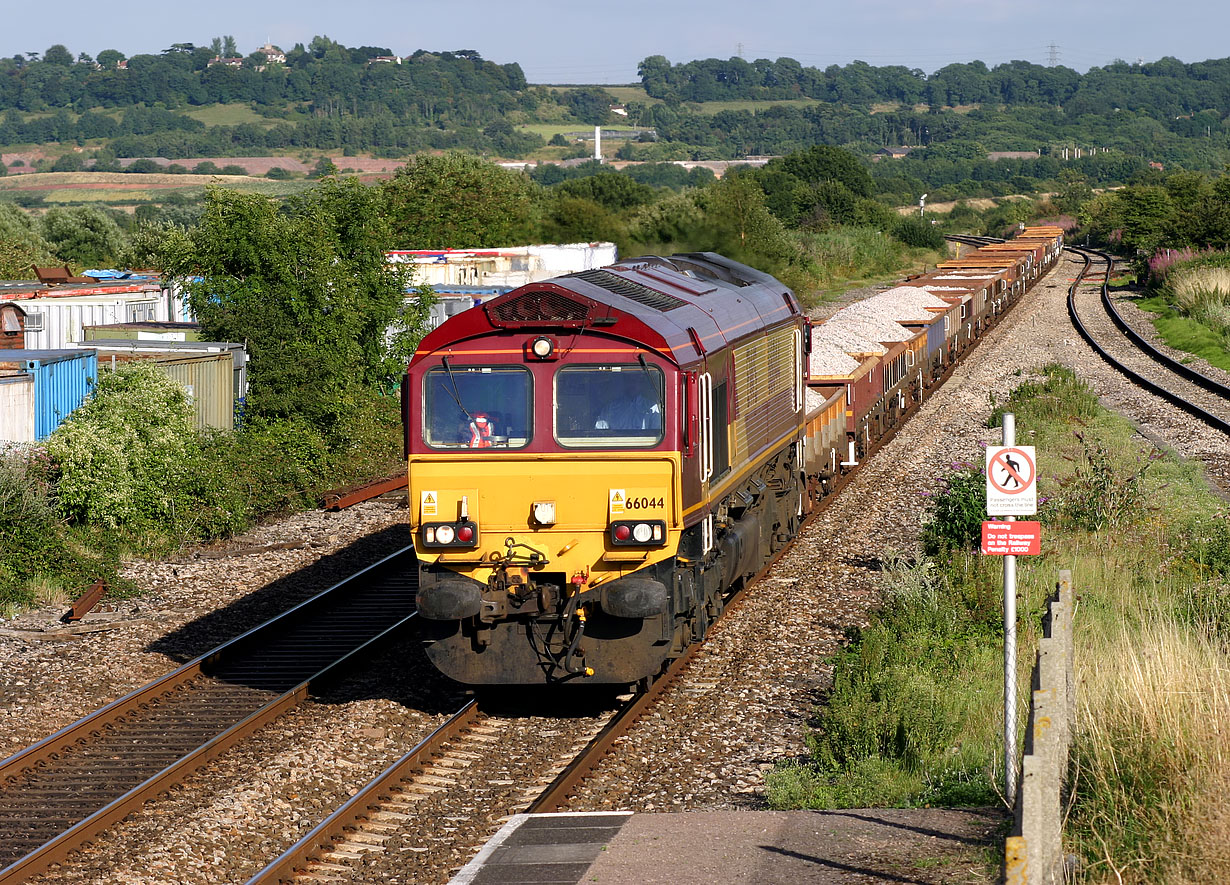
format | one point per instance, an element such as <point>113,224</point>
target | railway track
<point>1105,330</point>
<point>61,792</point>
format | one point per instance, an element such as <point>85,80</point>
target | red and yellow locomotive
<point>596,459</point>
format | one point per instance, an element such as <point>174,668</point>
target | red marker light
<point>622,533</point>
<point>465,533</point>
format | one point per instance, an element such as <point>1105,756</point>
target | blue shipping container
<point>62,381</point>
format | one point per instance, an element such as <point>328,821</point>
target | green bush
<point>39,550</point>
<point>917,232</point>
<point>955,515</point>
<point>123,456</point>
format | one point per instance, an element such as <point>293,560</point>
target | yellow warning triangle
<point>617,497</point>
<point>429,498</point>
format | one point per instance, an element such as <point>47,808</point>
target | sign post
<point>1012,475</point>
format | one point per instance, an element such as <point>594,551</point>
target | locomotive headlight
<point>542,348</point>
<point>463,533</point>
<point>647,533</point>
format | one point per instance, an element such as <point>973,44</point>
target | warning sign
<point>1012,475</point>
<point>1011,538</point>
<point>618,502</point>
<point>428,504</point>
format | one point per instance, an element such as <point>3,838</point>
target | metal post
<point>1010,648</point>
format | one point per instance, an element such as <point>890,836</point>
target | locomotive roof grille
<point>538,308</point>
<point>628,289</point>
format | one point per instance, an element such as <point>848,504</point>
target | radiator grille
<point>628,289</point>
<point>538,308</point>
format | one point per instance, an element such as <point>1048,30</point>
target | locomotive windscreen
<point>477,407</point>
<point>609,406</point>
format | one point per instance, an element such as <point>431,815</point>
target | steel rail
<point>324,835</point>
<point>234,681</point>
<point>1150,351</point>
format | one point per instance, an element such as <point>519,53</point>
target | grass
<point>125,188</point>
<point>626,94</point>
<point>546,130</point>
<point>231,114</point>
<point>914,713</point>
<point>1185,333</point>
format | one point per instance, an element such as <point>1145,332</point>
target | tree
<point>591,106</point>
<point>83,235</point>
<point>70,162</point>
<point>307,286</point>
<point>58,55</point>
<point>21,245</point>
<point>323,169</point>
<point>737,223</point>
<point>458,201</point>
<point>610,189</point>
<point>109,58</point>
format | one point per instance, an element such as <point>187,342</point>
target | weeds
<point>955,514</point>
<point>1099,493</point>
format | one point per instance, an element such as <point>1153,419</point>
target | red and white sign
<point>1011,538</point>
<point>1012,474</point>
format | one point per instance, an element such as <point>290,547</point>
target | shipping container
<point>62,381</point>
<point>16,408</point>
<point>207,380</point>
<point>118,350</point>
<point>171,331</point>
<point>55,323</point>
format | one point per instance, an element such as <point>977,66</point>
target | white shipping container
<point>16,408</point>
<point>505,265</point>
<point>56,323</point>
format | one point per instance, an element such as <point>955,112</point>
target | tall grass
<point>1203,293</point>
<point>844,255</point>
<point>1151,768</point>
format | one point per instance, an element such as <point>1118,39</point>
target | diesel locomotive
<point>597,460</point>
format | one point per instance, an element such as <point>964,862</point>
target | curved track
<point>1174,382</point>
<point>62,791</point>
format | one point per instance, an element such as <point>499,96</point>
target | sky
<point>558,42</point>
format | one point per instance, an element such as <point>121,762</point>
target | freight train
<point>596,461</point>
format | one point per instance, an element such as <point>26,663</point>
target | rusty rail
<point>340,499</point>
<point>86,602</point>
